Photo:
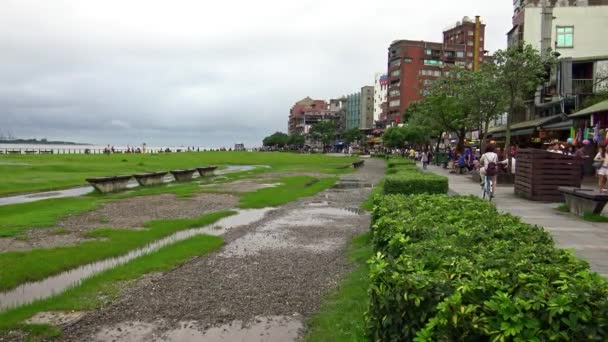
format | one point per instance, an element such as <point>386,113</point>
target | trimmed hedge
<point>400,162</point>
<point>415,182</point>
<point>454,269</point>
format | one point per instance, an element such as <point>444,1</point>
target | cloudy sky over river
<point>203,73</point>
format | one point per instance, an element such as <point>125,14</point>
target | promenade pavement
<point>588,239</point>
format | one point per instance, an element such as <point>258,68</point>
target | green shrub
<point>453,268</point>
<point>399,162</point>
<point>402,168</point>
<point>415,182</point>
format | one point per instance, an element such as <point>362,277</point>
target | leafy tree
<point>446,108</point>
<point>394,138</point>
<point>520,71</point>
<point>296,140</point>
<point>486,97</point>
<point>353,135</point>
<point>324,132</point>
<point>278,139</point>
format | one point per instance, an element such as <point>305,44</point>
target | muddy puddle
<point>267,329</point>
<point>278,233</point>
<point>83,190</point>
<point>352,184</point>
<point>54,285</point>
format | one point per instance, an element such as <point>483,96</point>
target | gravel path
<point>266,281</point>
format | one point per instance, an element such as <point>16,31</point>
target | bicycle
<point>487,189</point>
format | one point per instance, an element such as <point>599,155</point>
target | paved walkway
<point>588,239</point>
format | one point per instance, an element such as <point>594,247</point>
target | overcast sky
<point>202,73</point>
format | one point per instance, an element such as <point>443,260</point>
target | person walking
<point>601,163</point>
<point>425,159</point>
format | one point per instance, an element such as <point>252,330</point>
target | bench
<point>109,184</point>
<point>183,175</point>
<point>206,170</point>
<point>358,164</point>
<point>584,201</point>
<point>150,178</point>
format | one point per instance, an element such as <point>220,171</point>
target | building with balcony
<point>414,65</point>
<point>302,110</point>
<point>576,30</point>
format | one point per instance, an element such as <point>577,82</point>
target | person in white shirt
<point>602,171</point>
<point>489,157</point>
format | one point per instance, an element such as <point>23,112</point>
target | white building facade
<point>380,94</point>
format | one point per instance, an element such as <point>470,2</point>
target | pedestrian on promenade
<point>601,163</point>
<point>489,162</point>
<point>425,159</point>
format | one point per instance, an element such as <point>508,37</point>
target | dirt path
<point>266,281</point>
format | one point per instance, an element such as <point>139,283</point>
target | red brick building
<point>414,65</point>
<point>302,109</point>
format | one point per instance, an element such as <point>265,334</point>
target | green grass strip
<point>342,316</point>
<point>19,267</point>
<point>100,289</point>
<point>51,172</point>
<point>291,188</point>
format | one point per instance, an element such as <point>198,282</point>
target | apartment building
<point>306,112</point>
<point>380,94</point>
<point>414,65</point>
<point>367,108</point>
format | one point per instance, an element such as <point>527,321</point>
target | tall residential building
<point>339,107</point>
<point>304,113</point>
<point>576,30</point>
<point>353,111</point>
<point>367,108</point>
<point>380,93</point>
<point>414,65</point>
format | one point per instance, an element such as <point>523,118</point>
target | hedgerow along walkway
<point>588,239</point>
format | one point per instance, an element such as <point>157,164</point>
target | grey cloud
<point>107,72</point>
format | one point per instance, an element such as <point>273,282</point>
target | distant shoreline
<point>39,142</point>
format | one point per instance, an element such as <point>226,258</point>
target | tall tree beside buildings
<point>324,132</point>
<point>486,97</point>
<point>353,135</point>
<point>296,140</point>
<point>446,107</point>
<point>521,71</point>
<point>276,139</point>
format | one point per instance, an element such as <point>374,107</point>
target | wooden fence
<point>539,173</point>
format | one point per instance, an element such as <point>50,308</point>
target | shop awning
<point>560,126</point>
<point>524,125</point>
<point>527,131</point>
<point>596,108</point>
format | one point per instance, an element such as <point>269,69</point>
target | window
<point>407,60</point>
<point>469,54</point>
<point>565,36</point>
<point>470,33</point>
<point>461,64</point>
<point>437,73</point>
<point>428,51</point>
<point>394,103</point>
<point>459,54</point>
<point>433,62</point>
<point>470,43</point>
<point>395,72</point>
<point>396,62</point>
<point>394,92</point>
<point>427,82</point>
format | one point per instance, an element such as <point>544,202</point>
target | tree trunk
<point>461,136</point>
<point>484,137</point>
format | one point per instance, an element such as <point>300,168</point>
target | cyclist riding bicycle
<point>489,166</point>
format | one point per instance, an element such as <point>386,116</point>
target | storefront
<point>591,123</point>
<point>526,134</point>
